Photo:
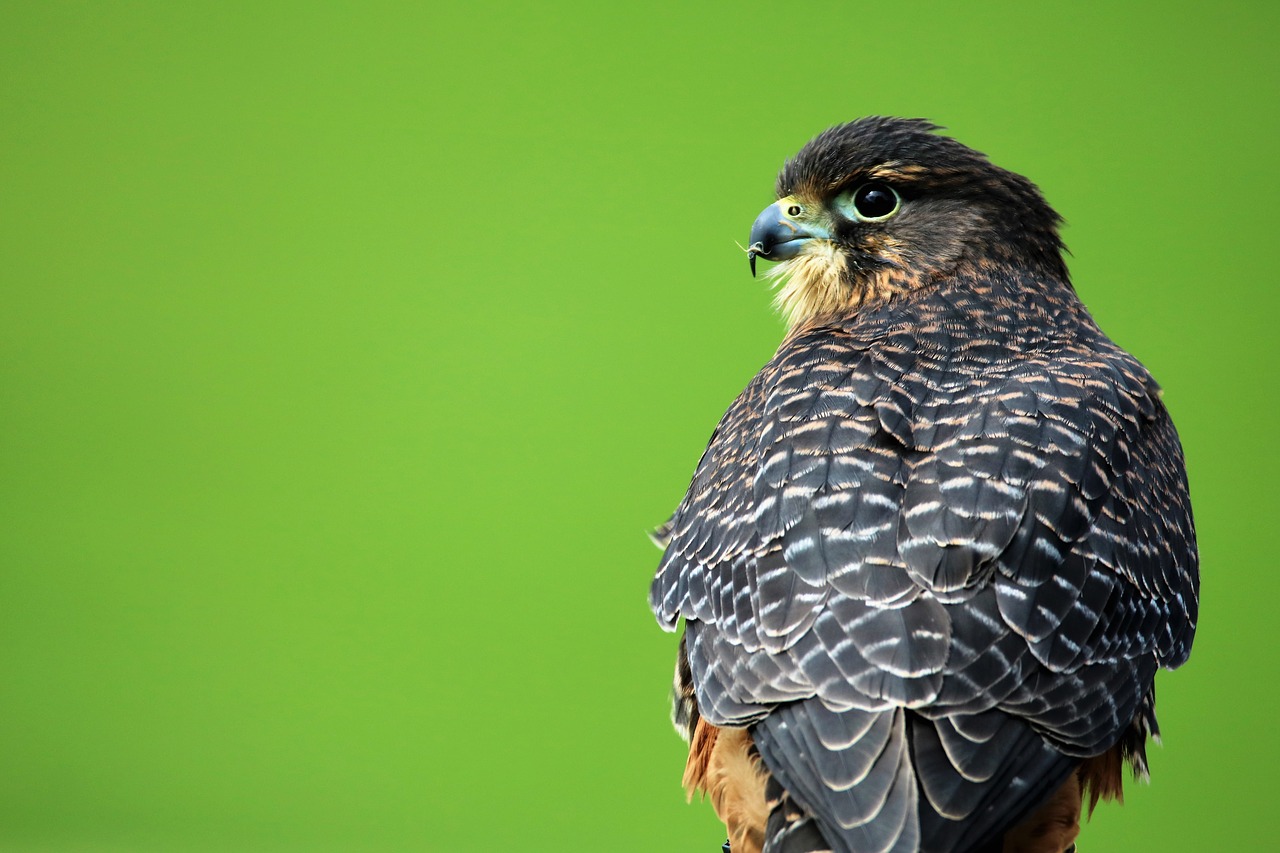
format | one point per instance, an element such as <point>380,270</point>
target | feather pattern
<point>936,550</point>
<point>959,504</point>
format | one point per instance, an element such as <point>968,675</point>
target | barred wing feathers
<point>921,525</point>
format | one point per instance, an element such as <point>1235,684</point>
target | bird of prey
<point>937,549</point>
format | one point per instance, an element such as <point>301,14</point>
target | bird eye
<point>793,210</point>
<point>875,202</point>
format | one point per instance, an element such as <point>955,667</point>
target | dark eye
<point>874,202</point>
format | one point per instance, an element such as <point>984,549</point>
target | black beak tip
<point>754,251</point>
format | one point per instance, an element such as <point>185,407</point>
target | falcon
<point>937,549</point>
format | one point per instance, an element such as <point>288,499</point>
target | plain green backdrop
<point>348,350</point>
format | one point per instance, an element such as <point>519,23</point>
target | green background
<point>349,350</point>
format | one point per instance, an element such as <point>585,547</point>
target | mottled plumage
<point>937,549</point>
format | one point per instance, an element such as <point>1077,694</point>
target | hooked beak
<point>782,229</point>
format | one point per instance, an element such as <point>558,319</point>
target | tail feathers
<point>851,769</point>
<point>893,781</point>
<point>808,779</point>
<point>1052,828</point>
<point>980,775</point>
<point>790,828</point>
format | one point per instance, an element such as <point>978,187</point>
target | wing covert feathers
<point>934,555</point>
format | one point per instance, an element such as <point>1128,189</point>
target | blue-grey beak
<point>782,229</point>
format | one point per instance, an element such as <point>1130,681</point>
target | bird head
<point>882,207</point>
